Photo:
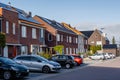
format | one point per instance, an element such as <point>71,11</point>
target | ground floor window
<point>24,50</point>
<point>35,49</point>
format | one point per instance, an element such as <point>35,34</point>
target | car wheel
<point>45,69</point>
<point>67,65</point>
<point>7,75</point>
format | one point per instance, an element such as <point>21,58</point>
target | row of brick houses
<point>23,33</point>
<point>29,35</point>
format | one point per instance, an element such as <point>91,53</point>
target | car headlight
<point>14,68</point>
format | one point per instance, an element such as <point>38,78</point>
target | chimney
<point>29,14</point>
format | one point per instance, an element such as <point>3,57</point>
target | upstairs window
<point>34,33</point>
<point>42,32</point>
<point>70,39</point>
<point>24,32</point>
<point>61,37</point>
<point>58,37</point>
<point>50,37</point>
<point>7,27</point>
<point>13,28</point>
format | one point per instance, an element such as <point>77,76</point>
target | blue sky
<point>83,14</point>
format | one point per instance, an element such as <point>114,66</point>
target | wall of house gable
<point>11,17</point>
<point>96,36</point>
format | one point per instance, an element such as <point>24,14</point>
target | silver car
<point>35,62</point>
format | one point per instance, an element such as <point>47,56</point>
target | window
<point>66,50</point>
<point>67,38</point>
<point>24,49</point>
<point>58,37</point>
<point>34,33</point>
<point>61,37</point>
<point>0,25</point>
<point>70,39</point>
<point>76,40</point>
<point>13,28</point>
<point>7,27</point>
<point>24,31</point>
<point>49,37</point>
<point>42,32</point>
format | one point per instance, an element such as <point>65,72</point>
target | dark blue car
<point>10,69</point>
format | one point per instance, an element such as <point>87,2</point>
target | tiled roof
<point>56,25</point>
<point>110,46</point>
<point>22,14</point>
<point>87,33</point>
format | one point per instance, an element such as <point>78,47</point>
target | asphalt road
<point>102,70</point>
<point>90,70</point>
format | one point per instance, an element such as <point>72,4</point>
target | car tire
<point>45,69</point>
<point>67,65</point>
<point>7,75</point>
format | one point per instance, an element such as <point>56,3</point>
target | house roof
<point>87,33</point>
<point>71,28</point>
<point>110,46</point>
<point>56,25</point>
<point>21,13</point>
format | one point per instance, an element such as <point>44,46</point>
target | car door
<point>25,60</point>
<point>62,60</point>
<point>36,63</point>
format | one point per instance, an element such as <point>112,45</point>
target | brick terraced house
<point>24,35</point>
<point>57,34</point>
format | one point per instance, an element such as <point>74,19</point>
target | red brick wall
<point>11,17</point>
<point>28,40</point>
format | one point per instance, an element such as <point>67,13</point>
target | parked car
<point>35,62</point>
<point>10,69</point>
<point>66,61</point>
<point>109,55</point>
<point>97,56</point>
<point>77,59</point>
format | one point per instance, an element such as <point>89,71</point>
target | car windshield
<point>7,61</point>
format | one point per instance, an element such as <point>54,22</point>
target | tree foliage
<point>59,49</point>
<point>95,48</point>
<point>113,40</point>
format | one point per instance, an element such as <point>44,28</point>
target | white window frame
<point>24,31</point>
<point>34,35</point>
<point>66,50</point>
<point>7,27</point>
<point>24,50</point>
<point>13,28</point>
<point>61,37</point>
<point>70,39</point>
<point>42,32</point>
<point>76,40</point>
<point>67,38</point>
<point>58,37</point>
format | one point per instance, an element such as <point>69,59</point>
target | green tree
<point>59,49</point>
<point>2,42</point>
<point>113,40</point>
<point>95,48</point>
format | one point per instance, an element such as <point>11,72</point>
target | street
<point>94,70</point>
<point>90,70</point>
